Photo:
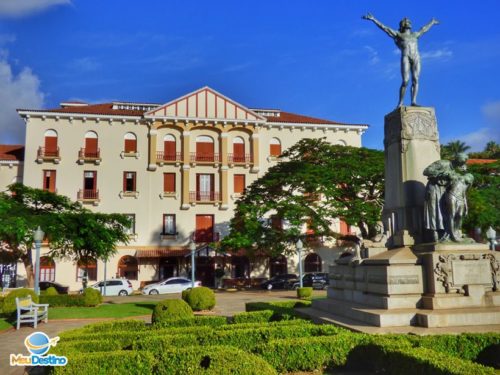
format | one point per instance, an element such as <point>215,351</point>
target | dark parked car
<point>284,281</point>
<point>61,289</point>
<point>318,280</point>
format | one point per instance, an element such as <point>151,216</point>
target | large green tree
<point>71,230</point>
<point>313,184</point>
<point>491,151</point>
<point>483,197</point>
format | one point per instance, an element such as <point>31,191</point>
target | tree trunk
<point>28,265</point>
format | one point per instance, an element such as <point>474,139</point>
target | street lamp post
<point>299,247</point>
<point>38,238</point>
<point>192,247</point>
<point>491,235</point>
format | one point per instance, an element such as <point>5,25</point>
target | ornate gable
<point>205,103</point>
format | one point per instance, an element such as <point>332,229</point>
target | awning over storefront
<point>160,253</point>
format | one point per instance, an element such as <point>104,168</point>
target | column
<point>186,156</point>
<point>152,148</point>
<point>223,172</point>
<point>255,152</point>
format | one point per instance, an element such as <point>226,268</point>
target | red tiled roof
<point>288,117</point>
<point>12,152</point>
<point>480,161</point>
<point>93,109</point>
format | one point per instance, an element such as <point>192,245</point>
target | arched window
<point>204,148</point>
<point>88,266</point>
<point>275,147</point>
<point>47,269</point>
<point>312,263</point>
<point>340,142</point>
<point>128,267</point>
<point>91,149</point>
<point>238,150</point>
<point>130,143</point>
<point>169,147</point>
<point>277,266</point>
<point>51,149</point>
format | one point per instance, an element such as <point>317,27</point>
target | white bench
<point>29,312</point>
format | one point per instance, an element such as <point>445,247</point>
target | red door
<point>169,148</point>
<point>204,228</point>
<point>204,151</point>
<point>91,148</point>
<point>239,152</point>
<point>51,146</point>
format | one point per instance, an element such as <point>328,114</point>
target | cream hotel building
<point>175,169</point>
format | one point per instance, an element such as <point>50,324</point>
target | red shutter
<point>205,150</point>
<point>344,228</point>
<point>50,145</point>
<point>275,150</point>
<point>134,176</point>
<point>130,145</point>
<point>124,181</point>
<point>52,182</point>
<point>169,148</point>
<point>91,146</point>
<point>239,152</point>
<point>239,183</point>
<point>169,182</point>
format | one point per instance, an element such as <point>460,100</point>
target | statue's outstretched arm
<point>392,33</point>
<point>427,27</point>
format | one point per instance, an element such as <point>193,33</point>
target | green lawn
<point>121,310</point>
<point>4,324</point>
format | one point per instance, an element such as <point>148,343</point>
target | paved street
<point>228,303</point>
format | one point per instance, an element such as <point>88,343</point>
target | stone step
<point>459,317</point>
<point>367,315</point>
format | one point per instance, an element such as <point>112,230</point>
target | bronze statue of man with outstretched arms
<point>407,42</point>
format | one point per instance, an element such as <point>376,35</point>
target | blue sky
<point>315,58</point>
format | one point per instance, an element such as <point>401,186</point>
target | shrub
<point>211,360</point>
<point>305,292</point>
<point>113,326</point>
<point>171,309</point>
<point>253,317</point>
<point>185,293</point>
<point>51,291</point>
<point>63,300</point>
<point>282,310</point>
<point>91,297</point>
<point>210,321</point>
<point>201,298</point>
<point>117,362</point>
<point>9,303</point>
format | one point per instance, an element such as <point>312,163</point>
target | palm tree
<point>451,150</point>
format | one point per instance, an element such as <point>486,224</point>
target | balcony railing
<point>161,156</point>
<point>239,159</point>
<point>204,196</point>
<point>44,154</point>
<point>89,154</point>
<point>88,195</point>
<point>205,236</point>
<point>204,158</point>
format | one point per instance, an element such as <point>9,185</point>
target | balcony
<point>205,236</point>
<point>204,158</point>
<point>89,196</point>
<point>204,197</point>
<point>245,159</point>
<point>168,158</point>
<point>91,156</point>
<point>48,155</point>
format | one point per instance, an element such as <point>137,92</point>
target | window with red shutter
<point>275,147</point>
<point>49,180</point>
<point>129,181</point>
<point>169,182</point>
<point>239,183</point>
<point>130,143</point>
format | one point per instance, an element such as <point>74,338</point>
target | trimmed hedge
<point>9,302</point>
<point>63,300</point>
<point>282,310</point>
<point>305,292</point>
<point>92,297</point>
<point>109,363</point>
<point>211,321</point>
<point>51,291</point>
<point>117,325</point>
<point>220,360</point>
<point>253,317</point>
<point>201,298</point>
<point>170,309</point>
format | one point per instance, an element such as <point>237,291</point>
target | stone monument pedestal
<point>414,283</point>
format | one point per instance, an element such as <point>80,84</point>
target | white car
<point>114,287</point>
<point>171,285</point>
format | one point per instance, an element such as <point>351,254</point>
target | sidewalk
<point>228,303</point>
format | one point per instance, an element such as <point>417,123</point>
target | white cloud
<point>85,64</point>
<point>491,112</point>
<point>374,59</point>
<point>437,54</point>
<point>20,8</point>
<point>478,139</point>
<point>7,38</point>
<point>16,91</point>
